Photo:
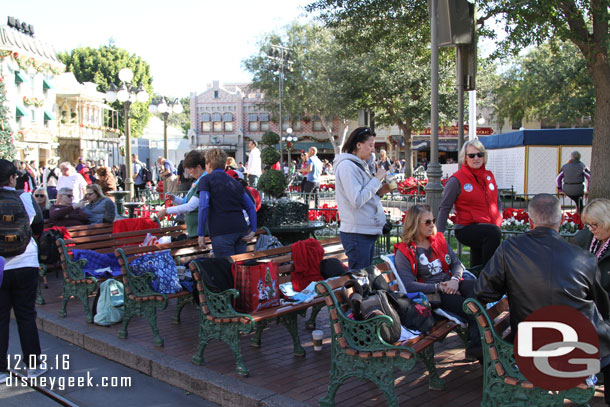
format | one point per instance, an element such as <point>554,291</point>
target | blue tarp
<point>543,137</point>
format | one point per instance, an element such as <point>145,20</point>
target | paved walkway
<point>277,378</point>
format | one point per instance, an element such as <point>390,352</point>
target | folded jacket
<point>96,261</point>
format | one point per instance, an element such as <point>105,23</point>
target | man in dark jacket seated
<point>63,213</point>
<point>539,268</point>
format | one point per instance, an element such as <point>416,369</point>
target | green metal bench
<point>358,350</point>
<point>220,321</point>
<point>503,384</point>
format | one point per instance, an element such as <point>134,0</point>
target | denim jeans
<point>253,181</point>
<point>229,244</point>
<point>359,249</point>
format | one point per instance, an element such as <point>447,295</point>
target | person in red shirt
<point>426,263</point>
<point>473,191</point>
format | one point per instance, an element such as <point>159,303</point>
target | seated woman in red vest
<point>474,193</point>
<point>425,263</point>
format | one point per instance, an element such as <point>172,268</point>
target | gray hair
<point>476,143</point>
<point>576,155</point>
<point>545,210</point>
<point>64,191</point>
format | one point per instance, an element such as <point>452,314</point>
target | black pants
<point>483,239</point>
<point>18,291</point>
<point>453,304</point>
<point>137,189</point>
<point>578,200</point>
<point>312,188</point>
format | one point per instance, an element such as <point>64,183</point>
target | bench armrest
<point>360,335</point>
<point>74,269</point>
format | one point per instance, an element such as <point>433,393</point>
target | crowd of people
<point>536,269</point>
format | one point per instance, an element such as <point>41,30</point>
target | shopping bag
<point>257,283</point>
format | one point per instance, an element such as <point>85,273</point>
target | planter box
<point>281,213</point>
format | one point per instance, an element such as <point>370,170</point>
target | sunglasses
<point>473,155</point>
<point>69,196</point>
<point>592,225</point>
<point>39,195</point>
<point>365,130</point>
<point>429,222</point>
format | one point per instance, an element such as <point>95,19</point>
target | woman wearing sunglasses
<point>359,198</point>
<point>472,190</point>
<point>426,263</point>
<point>40,195</point>
<point>99,208</point>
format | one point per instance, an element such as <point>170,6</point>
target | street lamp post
<point>161,106</point>
<point>291,139</point>
<point>127,94</point>
<point>280,55</point>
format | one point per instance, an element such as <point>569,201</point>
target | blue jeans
<point>359,249</point>
<point>229,244</point>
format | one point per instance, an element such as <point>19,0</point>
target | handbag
<point>258,285</point>
<point>163,265</point>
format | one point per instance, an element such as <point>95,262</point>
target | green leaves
<point>102,67</point>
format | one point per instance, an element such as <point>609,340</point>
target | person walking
<point>20,276</point>
<point>571,180</point>
<point>138,181</point>
<point>359,198</point>
<point>254,167</point>
<point>167,173</point>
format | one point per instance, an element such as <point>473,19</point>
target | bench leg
<point>434,381</point>
<point>335,382</point>
<point>256,338</point>
<point>150,313</point>
<point>64,304</point>
<point>311,322</point>
<point>231,338</point>
<point>181,302</point>
<point>291,323</point>
<point>204,337</point>
<point>129,313</point>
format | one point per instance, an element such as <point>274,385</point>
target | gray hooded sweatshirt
<point>359,205</point>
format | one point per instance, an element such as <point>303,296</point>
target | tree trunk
<point>408,139</point>
<point>329,134</point>
<point>600,162</point>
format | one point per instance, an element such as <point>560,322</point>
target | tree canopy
<point>584,23</point>
<point>102,66</point>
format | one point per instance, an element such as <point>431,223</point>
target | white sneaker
<point>37,372</point>
<point>3,377</point>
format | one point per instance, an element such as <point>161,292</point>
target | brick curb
<point>199,380</point>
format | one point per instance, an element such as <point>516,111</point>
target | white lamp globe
<point>481,120</point>
<point>283,138</point>
<point>126,75</point>
<point>152,108</point>
<point>133,98</point>
<point>122,95</point>
<point>178,108</point>
<point>289,130</point>
<point>142,96</point>
<point>110,96</point>
<point>162,107</point>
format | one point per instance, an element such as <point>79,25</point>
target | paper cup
<point>318,336</point>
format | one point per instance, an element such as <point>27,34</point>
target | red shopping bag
<point>258,285</point>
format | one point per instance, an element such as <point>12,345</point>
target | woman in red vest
<point>425,263</point>
<point>474,193</point>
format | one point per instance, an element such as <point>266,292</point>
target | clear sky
<point>187,43</point>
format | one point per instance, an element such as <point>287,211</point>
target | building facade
<point>86,126</point>
<point>228,115</point>
<point>29,67</point>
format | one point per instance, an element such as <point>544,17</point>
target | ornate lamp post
<point>127,94</point>
<point>290,139</point>
<point>165,108</point>
<point>281,57</point>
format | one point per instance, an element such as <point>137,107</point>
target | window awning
<point>46,85</point>
<point>20,77</point>
<point>21,112</point>
<point>48,116</point>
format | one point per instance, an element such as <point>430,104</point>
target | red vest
<point>439,251</point>
<point>478,198</point>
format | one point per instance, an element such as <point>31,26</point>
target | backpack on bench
<point>377,303</point>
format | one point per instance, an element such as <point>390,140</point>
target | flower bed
<point>517,220</point>
<point>415,186</point>
<point>323,188</point>
<point>326,213</point>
